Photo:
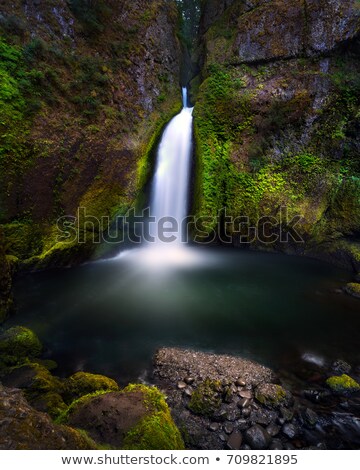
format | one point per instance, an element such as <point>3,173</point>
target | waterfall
<point>169,201</point>
<point>170,189</point>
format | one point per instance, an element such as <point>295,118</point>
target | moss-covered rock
<point>135,418</point>
<point>157,429</point>
<point>18,344</point>
<point>206,398</point>
<point>343,384</point>
<point>41,388</point>
<point>353,289</point>
<point>83,383</point>
<point>271,395</point>
<point>23,428</point>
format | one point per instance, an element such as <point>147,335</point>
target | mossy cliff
<point>84,88</point>
<point>276,124</point>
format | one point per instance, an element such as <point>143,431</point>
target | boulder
<point>136,418</point>
<point>257,437</point>
<point>83,383</point>
<point>23,428</point>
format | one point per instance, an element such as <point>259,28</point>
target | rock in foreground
<point>136,418</point>
<point>23,428</point>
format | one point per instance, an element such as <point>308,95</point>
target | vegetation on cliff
<point>278,130</point>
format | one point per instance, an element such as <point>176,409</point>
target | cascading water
<point>169,201</point>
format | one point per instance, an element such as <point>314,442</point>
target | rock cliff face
<point>265,30</point>
<point>276,119</point>
<point>86,87</point>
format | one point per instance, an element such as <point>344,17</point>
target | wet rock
<point>289,430</point>
<point>235,441</point>
<point>181,385</point>
<point>242,424</point>
<point>205,399</point>
<point>246,412</point>
<point>271,395</point>
<point>288,446</point>
<point>188,392</point>
<point>228,428</point>
<point>221,414</point>
<point>23,428</point>
<point>353,289</point>
<point>83,383</point>
<point>245,394</point>
<point>276,444</point>
<point>214,427</point>
<point>240,383</point>
<point>18,344</point>
<point>223,437</point>
<point>233,414</point>
<point>286,414</point>
<point>128,419</point>
<point>341,367</point>
<point>244,403</point>
<point>257,437</point>
<point>189,380</point>
<point>273,430</point>
<point>343,384</point>
<point>262,416</point>
<point>317,396</point>
<point>228,395</point>
<point>310,417</point>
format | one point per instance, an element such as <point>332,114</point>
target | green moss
<point>41,388</point>
<point>63,417</point>
<point>83,383</point>
<point>157,430</point>
<point>206,398</point>
<point>270,395</point>
<point>19,344</point>
<point>353,289</point>
<point>343,384</point>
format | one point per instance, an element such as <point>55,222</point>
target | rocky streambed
<point>223,402</point>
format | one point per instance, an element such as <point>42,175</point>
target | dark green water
<point>109,317</point>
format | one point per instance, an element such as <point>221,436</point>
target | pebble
<point>273,430</point>
<point>276,445</point>
<point>221,415</point>
<point>244,403</point>
<point>188,392</point>
<point>311,417</point>
<point>257,437</point>
<point>240,383</point>
<point>341,367</point>
<point>222,437</point>
<point>214,427</point>
<point>289,430</point>
<point>242,424</point>
<point>228,428</point>
<point>286,414</point>
<point>235,441</point>
<point>289,446</point>
<point>181,385</point>
<point>189,380</point>
<point>232,415</point>
<point>246,412</point>
<point>245,394</point>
